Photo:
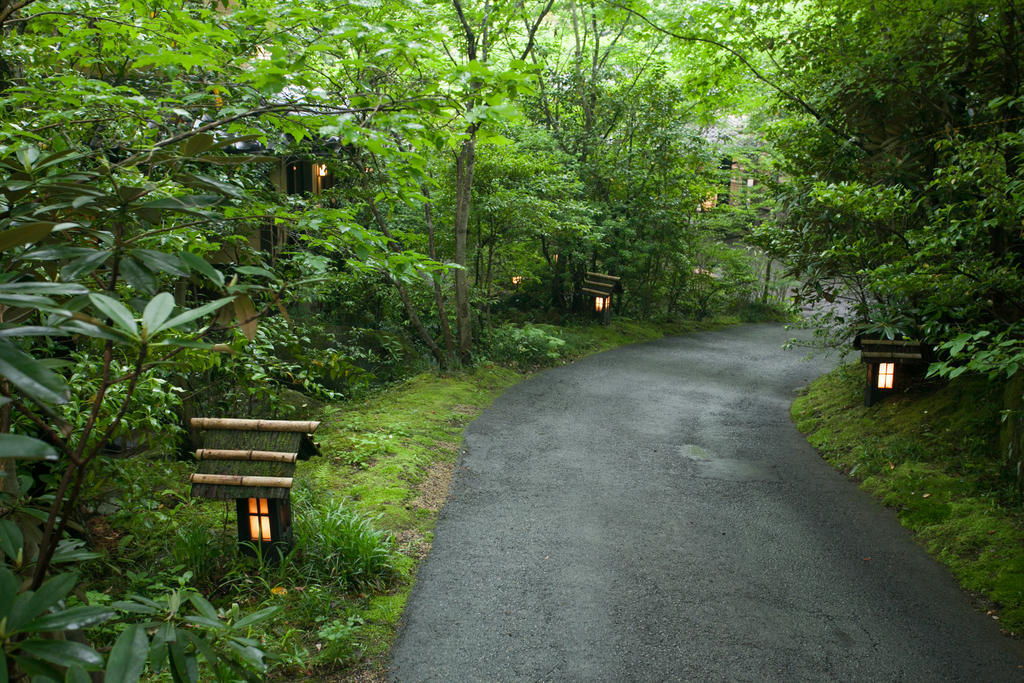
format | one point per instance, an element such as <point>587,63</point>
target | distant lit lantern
<point>322,170</point>
<point>885,375</point>
<point>600,286</point>
<point>517,279</point>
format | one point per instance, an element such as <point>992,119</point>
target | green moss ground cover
<point>933,456</point>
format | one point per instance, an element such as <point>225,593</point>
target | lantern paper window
<point>885,375</point>
<point>601,303</point>
<point>259,519</point>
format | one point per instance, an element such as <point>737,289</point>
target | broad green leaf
<point>84,265</point>
<point>203,606</point>
<point>256,617</point>
<point>203,621</point>
<point>27,156</point>
<point>160,262</point>
<point>77,674</point>
<point>189,203</point>
<point>116,311</point>
<point>157,311</point>
<point>202,646</point>
<point>203,182</point>
<point>32,331</point>
<point>25,234</point>
<point>57,253</point>
<point>256,270</point>
<point>25,447</point>
<point>11,540</point>
<point>200,265</point>
<point>26,300</point>
<point>183,666</point>
<point>128,657</point>
<point>189,316</point>
<point>44,288</point>
<point>9,584</point>
<point>31,605</point>
<point>3,667</point>
<point>63,652</point>
<point>30,376</point>
<point>94,328</point>
<point>252,655</point>
<point>197,144</point>
<point>71,619</point>
<point>137,276</point>
<point>72,551</point>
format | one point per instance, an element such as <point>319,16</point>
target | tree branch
<point>796,99</point>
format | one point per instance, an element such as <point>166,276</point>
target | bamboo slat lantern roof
<point>599,284</point>
<point>250,458</point>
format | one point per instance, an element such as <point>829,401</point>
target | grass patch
<point>933,456</point>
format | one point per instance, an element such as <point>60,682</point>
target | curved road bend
<point>651,514</point>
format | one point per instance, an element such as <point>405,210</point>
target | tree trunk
<point>463,194</point>
<point>442,313</point>
<point>403,294</point>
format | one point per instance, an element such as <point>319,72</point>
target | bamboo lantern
<point>600,286</point>
<point>892,365</point>
<point>252,462</point>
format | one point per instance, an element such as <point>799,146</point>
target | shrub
<point>341,547</point>
<point>523,347</point>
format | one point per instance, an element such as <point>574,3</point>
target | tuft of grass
<point>933,455</point>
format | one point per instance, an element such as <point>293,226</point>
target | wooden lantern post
<point>253,462</point>
<point>891,365</point>
<point>601,287</point>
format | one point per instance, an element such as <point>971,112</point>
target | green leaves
<point>25,447</point>
<point>30,376</point>
<point>156,313</point>
<point>30,619</point>
<point>128,656</point>
<point>119,313</point>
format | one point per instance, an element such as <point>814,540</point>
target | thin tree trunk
<point>442,313</point>
<point>463,191</point>
<point>403,294</point>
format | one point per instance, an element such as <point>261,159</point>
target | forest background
<point>237,209</point>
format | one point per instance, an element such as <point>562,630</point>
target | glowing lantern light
<point>259,520</point>
<point>601,303</point>
<point>885,375</point>
<point>517,279</point>
<point>322,170</point>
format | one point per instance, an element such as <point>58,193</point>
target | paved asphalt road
<point>651,514</point>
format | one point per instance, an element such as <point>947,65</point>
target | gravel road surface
<point>651,514</point>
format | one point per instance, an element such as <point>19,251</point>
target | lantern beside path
<point>892,365</point>
<point>601,287</point>
<point>253,462</point>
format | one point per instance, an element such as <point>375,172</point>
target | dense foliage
<point>259,208</point>
<point>253,209</point>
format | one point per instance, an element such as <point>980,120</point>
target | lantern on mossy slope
<point>892,365</point>
<point>601,303</point>
<point>253,463</point>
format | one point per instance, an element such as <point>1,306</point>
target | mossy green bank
<point>933,455</point>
